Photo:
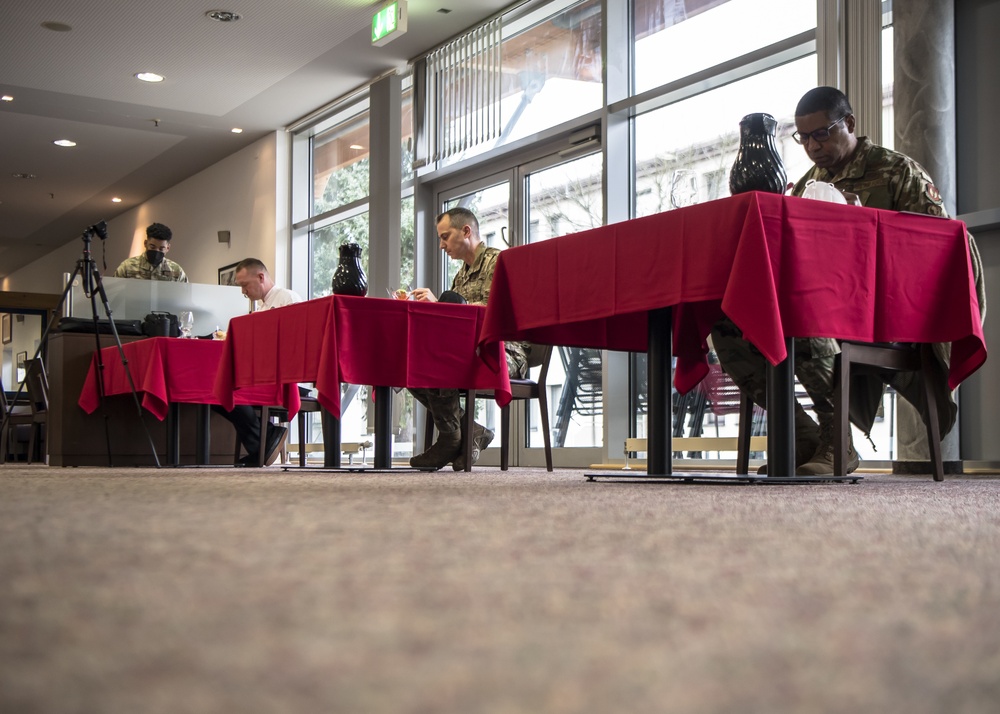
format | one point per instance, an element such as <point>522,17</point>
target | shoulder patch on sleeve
<point>932,193</point>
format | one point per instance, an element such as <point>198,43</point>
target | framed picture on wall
<point>227,274</point>
<point>6,328</point>
<point>22,357</point>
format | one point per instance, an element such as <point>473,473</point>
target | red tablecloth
<point>165,370</point>
<point>776,265</point>
<point>374,341</point>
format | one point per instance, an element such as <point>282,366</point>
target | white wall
<point>237,194</point>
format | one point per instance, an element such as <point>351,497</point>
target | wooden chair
<point>857,356</point>
<point>521,389</point>
<point>306,405</point>
<point>20,416</point>
<point>280,416</point>
<point>37,384</point>
<point>898,358</point>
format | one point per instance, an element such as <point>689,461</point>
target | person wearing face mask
<point>153,264</point>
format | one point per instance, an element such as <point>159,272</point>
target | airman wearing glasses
<point>881,178</point>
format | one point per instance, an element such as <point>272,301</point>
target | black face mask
<point>154,257</point>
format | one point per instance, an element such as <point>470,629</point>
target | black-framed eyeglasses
<point>819,136</point>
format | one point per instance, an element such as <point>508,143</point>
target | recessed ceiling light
<point>6,98</point>
<point>116,200</point>
<point>236,130</point>
<point>223,15</point>
<point>149,77</point>
<point>64,142</point>
<point>356,146</point>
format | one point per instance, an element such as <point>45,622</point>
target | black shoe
<point>275,440</point>
<point>276,436</point>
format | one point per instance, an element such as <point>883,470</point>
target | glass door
<point>531,201</point>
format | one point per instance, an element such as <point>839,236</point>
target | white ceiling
<point>280,61</point>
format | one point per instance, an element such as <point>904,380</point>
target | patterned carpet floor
<point>231,590</point>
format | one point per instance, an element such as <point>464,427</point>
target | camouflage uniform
<point>473,282</point>
<point>139,267</point>
<point>882,179</point>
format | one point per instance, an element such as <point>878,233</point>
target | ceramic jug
<point>758,165</point>
<point>350,278</point>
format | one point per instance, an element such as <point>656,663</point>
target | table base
<point>358,468</point>
<point>723,478</point>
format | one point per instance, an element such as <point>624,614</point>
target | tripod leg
<point>100,375</point>
<point>95,277</point>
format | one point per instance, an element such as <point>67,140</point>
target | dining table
<point>384,343</point>
<point>780,267</point>
<point>166,372</point>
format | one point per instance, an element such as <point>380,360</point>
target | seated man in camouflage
<point>458,231</point>
<point>153,264</point>
<point>881,178</point>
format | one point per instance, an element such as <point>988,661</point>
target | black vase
<point>350,278</point>
<point>758,166</point>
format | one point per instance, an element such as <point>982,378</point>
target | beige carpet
<point>140,592</point>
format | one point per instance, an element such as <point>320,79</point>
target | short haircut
<point>250,264</point>
<point>460,217</point>
<point>158,231</point>
<point>824,99</point>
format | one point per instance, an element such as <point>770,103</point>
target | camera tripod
<point>90,279</point>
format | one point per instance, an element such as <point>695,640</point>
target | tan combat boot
<point>481,438</point>
<point>806,438</point>
<point>442,452</point>
<point>821,464</point>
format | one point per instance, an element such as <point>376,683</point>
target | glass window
<point>406,129</point>
<point>562,199</point>
<point>676,39</point>
<point>340,165</point>
<point>684,151</point>
<point>550,73</point>
<point>325,253</point>
<point>888,117</point>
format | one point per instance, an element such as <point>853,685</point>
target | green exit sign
<point>388,23</point>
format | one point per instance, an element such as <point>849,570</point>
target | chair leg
<point>31,442</point>
<point>744,434</point>
<point>264,419</point>
<point>505,437</point>
<point>841,409</point>
<point>301,421</point>
<point>469,427</point>
<point>543,409</point>
<point>933,427</point>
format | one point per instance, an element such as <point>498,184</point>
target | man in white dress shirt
<point>255,281</point>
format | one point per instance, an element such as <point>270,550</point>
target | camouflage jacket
<point>473,282</point>
<point>887,179</point>
<point>138,267</point>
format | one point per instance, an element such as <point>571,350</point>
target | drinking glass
<point>187,323</point>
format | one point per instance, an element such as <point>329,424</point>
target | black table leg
<point>658,362</point>
<point>331,440</point>
<point>383,428</point>
<point>204,443</point>
<point>780,415</point>
<point>173,435</point>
